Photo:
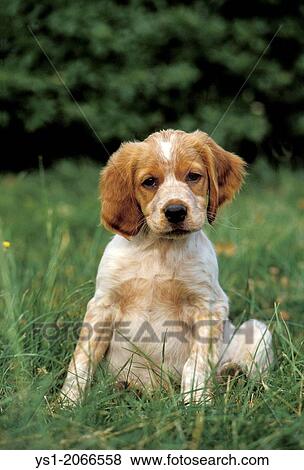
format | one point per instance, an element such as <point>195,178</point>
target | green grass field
<point>47,275</point>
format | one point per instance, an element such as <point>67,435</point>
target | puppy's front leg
<point>94,339</point>
<point>207,333</point>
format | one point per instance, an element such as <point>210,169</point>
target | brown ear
<point>120,212</point>
<point>226,172</point>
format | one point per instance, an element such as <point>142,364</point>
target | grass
<point>47,275</point>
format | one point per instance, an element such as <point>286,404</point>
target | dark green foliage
<point>140,66</point>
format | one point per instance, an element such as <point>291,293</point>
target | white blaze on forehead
<point>166,149</point>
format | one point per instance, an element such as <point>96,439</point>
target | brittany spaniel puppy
<point>159,315</point>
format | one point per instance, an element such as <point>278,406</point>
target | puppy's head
<point>169,183</point>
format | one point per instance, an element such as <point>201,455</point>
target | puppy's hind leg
<point>248,348</point>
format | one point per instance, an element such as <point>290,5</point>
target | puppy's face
<point>171,187</point>
<point>169,183</point>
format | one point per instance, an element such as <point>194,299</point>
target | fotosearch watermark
<point>203,331</point>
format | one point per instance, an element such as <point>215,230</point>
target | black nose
<point>175,213</point>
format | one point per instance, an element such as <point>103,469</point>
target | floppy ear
<point>226,172</point>
<point>120,212</point>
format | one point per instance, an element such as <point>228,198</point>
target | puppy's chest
<point>155,285</point>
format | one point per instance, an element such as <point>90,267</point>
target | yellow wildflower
<point>227,249</point>
<point>6,244</point>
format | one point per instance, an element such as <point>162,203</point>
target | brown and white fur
<point>159,313</point>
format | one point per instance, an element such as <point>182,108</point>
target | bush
<point>140,66</point>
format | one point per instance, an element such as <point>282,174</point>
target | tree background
<point>140,66</point>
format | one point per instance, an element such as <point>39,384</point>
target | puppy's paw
<point>228,371</point>
<point>66,403</point>
<point>196,393</point>
<point>68,400</point>
<point>198,397</point>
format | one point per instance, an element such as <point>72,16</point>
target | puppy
<point>159,315</point>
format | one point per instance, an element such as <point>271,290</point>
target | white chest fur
<point>191,260</point>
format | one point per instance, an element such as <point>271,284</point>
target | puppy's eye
<point>193,177</point>
<point>150,182</point>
